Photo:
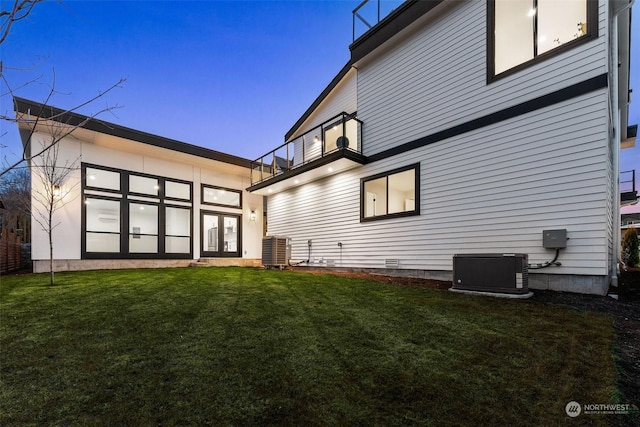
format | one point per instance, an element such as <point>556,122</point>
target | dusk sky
<point>232,76</point>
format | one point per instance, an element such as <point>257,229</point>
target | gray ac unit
<point>274,251</point>
<point>503,273</point>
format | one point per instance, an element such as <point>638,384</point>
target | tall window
<point>521,31</point>
<point>102,225</point>
<point>391,194</point>
<point>133,215</point>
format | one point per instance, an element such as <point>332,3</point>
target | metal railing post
<point>321,141</point>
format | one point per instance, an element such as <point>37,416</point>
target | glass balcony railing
<point>341,132</point>
<point>370,12</point>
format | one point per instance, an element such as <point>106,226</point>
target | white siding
<point>342,98</point>
<point>436,78</point>
<point>491,190</point>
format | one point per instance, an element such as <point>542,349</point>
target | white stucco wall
<point>136,157</point>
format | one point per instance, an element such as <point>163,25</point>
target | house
<point>462,127</point>
<point>137,200</point>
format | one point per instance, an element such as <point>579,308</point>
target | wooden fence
<point>10,252</point>
<point>12,229</point>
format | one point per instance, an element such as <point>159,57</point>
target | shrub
<point>630,247</point>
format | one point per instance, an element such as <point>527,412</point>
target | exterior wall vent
<point>274,252</point>
<point>501,273</point>
<point>391,263</point>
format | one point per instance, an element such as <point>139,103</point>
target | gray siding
<point>491,190</point>
<point>436,78</point>
<point>342,98</point>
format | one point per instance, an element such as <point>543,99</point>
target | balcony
<point>628,192</point>
<point>332,147</point>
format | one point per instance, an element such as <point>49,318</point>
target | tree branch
<point>20,10</point>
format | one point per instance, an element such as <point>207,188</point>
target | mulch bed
<point>625,312</point>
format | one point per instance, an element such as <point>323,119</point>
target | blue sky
<point>228,75</point>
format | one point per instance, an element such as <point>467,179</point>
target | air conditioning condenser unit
<point>274,252</point>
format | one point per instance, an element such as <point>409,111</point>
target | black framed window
<point>143,228</point>
<point>221,234</point>
<point>391,194</point>
<point>133,215</point>
<point>103,225</point>
<point>102,179</point>
<point>144,185</point>
<point>177,230</point>
<point>220,196</point>
<point>523,32</point>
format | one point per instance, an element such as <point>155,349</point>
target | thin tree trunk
<point>51,274</point>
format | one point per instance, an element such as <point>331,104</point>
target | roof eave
<point>25,106</point>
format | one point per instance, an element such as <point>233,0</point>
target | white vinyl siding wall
<point>436,78</point>
<point>342,99</point>
<point>491,190</point>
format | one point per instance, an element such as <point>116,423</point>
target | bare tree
<point>47,114</point>
<point>19,10</point>
<point>13,12</point>
<point>54,189</point>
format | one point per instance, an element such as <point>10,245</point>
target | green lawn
<point>240,346</point>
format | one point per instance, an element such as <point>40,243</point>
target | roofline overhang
<point>344,153</point>
<point>38,110</point>
<point>407,13</point>
<point>388,27</point>
<point>621,9</point>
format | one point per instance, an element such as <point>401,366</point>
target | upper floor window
<point>521,32</point>
<point>391,194</point>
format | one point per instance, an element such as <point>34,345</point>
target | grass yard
<point>240,346</point>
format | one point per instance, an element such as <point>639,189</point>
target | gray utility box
<point>554,239</point>
<point>274,251</point>
<point>503,273</point>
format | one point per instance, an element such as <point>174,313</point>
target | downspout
<point>615,138</point>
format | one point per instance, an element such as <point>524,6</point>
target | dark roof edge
<point>391,25</point>
<point>23,106</point>
<point>319,99</point>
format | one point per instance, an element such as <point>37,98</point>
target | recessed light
<point>270,191</point>
<point>330,169</point>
